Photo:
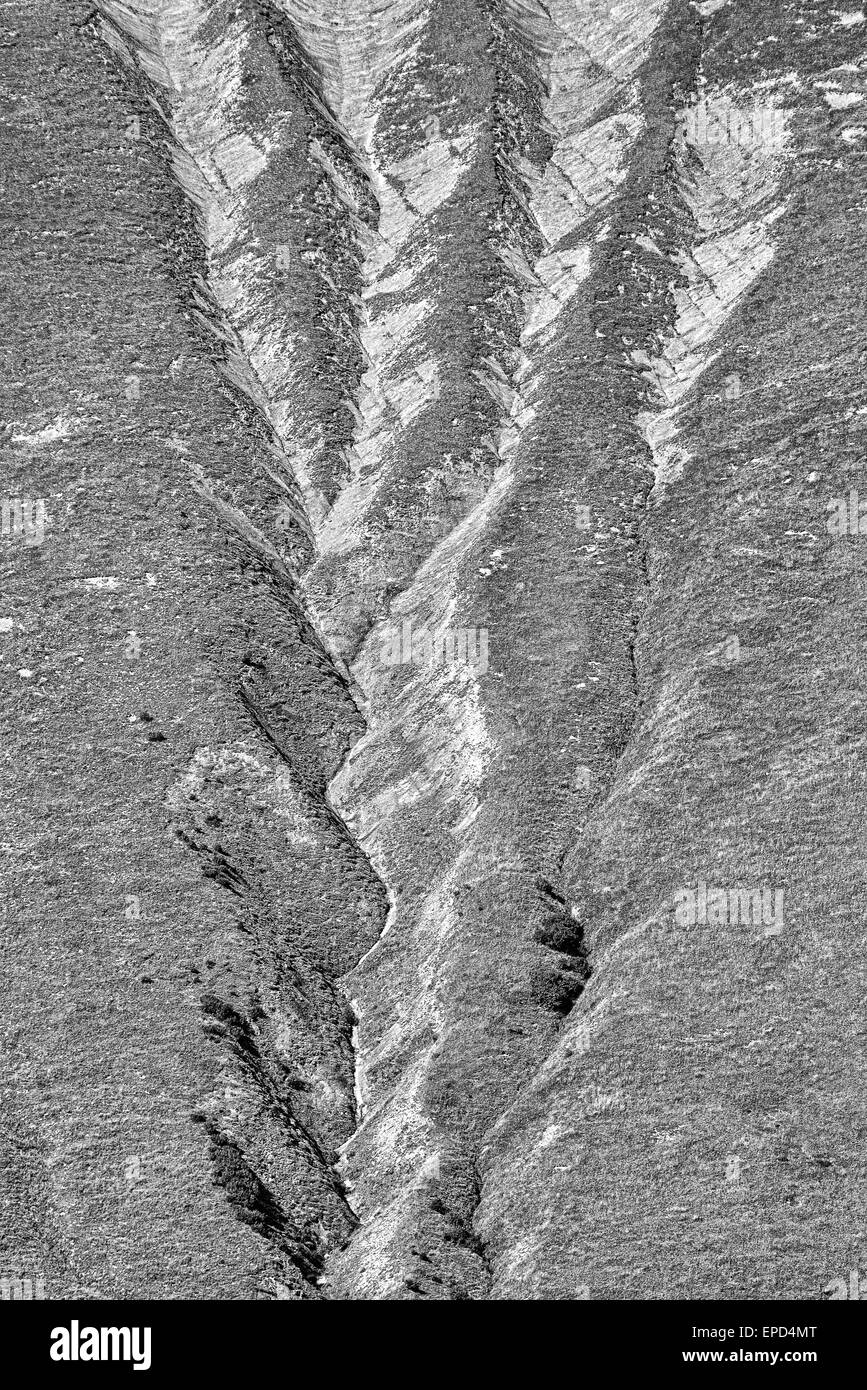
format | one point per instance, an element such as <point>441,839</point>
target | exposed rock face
<point>434,679</point>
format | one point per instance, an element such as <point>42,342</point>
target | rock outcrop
<point>430,649</point>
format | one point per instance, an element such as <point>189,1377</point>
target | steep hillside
<point>435,747</point>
